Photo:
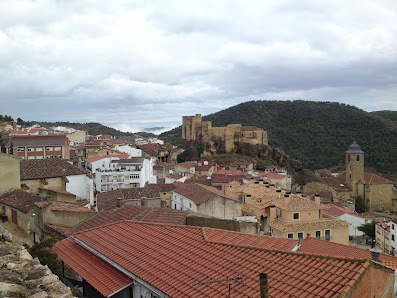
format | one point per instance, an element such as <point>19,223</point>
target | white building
<point>344,213</point>
<point>393,237</point>
<point>113,172</point>
<point>131,151</point>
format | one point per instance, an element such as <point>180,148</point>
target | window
<point>190,205</point>
<point>290,235</point>
<point>39,157</point>
<point>358,157</point>
<point>296,216</point>
<point>57,149</point>
<point>39,149</point>
<point>392,237</point>
<point>49,149</point>
<point>30,149</point>
<point>300,236</point>
<point>327,235</point>
<point>30,157</point>
<point>348,157</point>
<point>318,234</point>
<point>21,149</point>
<point>134,176</point>
<point>174,206</point>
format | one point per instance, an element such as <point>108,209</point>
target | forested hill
<point>315,133</point>
<point>389,117</point>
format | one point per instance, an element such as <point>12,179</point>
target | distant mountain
<point>315,133</point>
<point>93,128</point>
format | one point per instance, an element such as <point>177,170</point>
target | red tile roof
<point>274,176</point>
<point>375,179</point>
<point>69,207</point>
<point>20,131</point>
<point>101,275</point>
<point>174,259</point>
<point>339,210</point>
<point>196,192</point>
<point>229,172</point>
<point>175,176</point>
<point>316,246</point>
<point>146,214</point>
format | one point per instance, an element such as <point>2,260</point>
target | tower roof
<point>354,148</point>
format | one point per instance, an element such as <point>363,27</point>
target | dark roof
<point>47,168</point>
<point>354,148</point>
<point>19,199</point>
<point>46,140</point>
<point>196,192</point>
<point>109,199</point>
<point>139,213</point>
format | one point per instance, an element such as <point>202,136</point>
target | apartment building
<point>382,236</point>
<point>114,172</point>
<point>39,146</point>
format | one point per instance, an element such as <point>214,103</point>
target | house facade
<point>185,169</point>
<point>10,172</point>
<point>382,236</point>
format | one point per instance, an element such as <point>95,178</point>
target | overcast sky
<point>138,64</point>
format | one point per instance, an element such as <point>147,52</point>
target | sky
<point>133,65</point>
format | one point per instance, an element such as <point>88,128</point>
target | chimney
<point>272,185</point>
<point>375,253</point>
<point>120,202</point>
<point>287,199</point>
<point>267,183</point>
<point>299,193</point>
<point>317,198</point>
<point>263,285</point>
<point>278,190</point>
<point>272,212</point>
<point>256,182</point>
<point>163,204</point>
<point>144,202</point>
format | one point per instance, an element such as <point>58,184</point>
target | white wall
<point>133,152</point>
<point>82,186</point>
<point>393,243</point>
<point>354,222</point>
<point>182,203</point>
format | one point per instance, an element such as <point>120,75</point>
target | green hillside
<point>389,117</point>
<point>315,133</point>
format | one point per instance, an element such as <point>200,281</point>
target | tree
<point>19,121</point>
<point>360,204</point>
<point>368,229</point>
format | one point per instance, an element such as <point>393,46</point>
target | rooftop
<point>19,199</point>
<point>354,149</point>
<point>47,168</point>
<point>308,225</point>
<point>37,140</point>
<point>210,254</point>
<point>197,192</point>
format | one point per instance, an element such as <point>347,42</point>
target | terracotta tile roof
<point>69,207</point>
<point>19,131</point>
<point>59,191</point>
<point>303,226</point>
<point>250,128</point>
<point>182,257</point>
<point>196,192</point>
<point>19,199</point>
<point>339,182</point>
<point>339,210</point>
<point>204,168</point>
<point>297,203</point>
<point>375,179</point>
<point>317,246</point>
<point>274,176</point>
<point>186,165</point>
<point>226,179</point>
<point>162,187</point>
<point>99,157</point>
<point>146,214</point>
<point>229,172</point>
<point>151,149</point>
<point>199,179</point>
<point>47,168</point>
<point>217,236</point>
<point>101,275</point>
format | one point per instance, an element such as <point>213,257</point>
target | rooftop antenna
<point>231,280</point>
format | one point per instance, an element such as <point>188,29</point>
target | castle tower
<point>354,160</point>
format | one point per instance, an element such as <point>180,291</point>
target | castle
<point>194,129</point>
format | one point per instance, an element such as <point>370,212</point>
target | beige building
<point>78,136</point>
<point>185,169</point>
<point>378,193</point>
<point>292,216</point>
<point>194,129</point>
<point>382,236</point>
<point>10,172</point>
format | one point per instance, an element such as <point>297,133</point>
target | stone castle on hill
<point>194,129</point>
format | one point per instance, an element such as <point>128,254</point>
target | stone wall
<point>224,224</point>
<point>23,276</point>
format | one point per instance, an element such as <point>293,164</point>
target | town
<point>104,215</point>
